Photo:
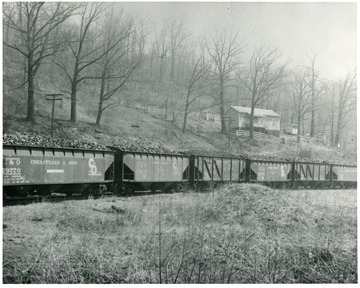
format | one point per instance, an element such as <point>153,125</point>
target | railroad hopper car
<point>36,170</point>
<point>344,176</point>
<point>312,175</point>
<point>320,175</point>
<point>211,170</point>
<point>41,171</point>
<point>277,174</point>
<point>149,171</point>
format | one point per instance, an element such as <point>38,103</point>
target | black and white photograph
<point>179,142</point>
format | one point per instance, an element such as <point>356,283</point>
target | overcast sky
<point>297,29</point>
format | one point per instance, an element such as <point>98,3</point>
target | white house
<point>238,118</point>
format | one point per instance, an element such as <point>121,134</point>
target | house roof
<point>257,113</point>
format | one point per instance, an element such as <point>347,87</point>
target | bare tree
<point>301,97</point>
<point>144,75</point>
<point>142,31</point>
<point>263,76</point>
<point>196,84</point>
<point>177,36</point>
<point>347,102</point>
<point>314,93</point>
<point>35,22</point>
<point>9,9</point>
<point>116,68</point>
<point>223,49</point>
<point>330,91</point>
<point>161,48</point>
<point>82,55</point>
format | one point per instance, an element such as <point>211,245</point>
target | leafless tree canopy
<point>101,56</point>
<point>32,24</point>
<point>262,77</point>
<point>223,48</point>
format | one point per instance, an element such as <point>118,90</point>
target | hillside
<point>135,127</point>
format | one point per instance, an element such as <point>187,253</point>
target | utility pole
<point>53,98</point>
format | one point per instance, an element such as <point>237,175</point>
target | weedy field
<point>236,234</point>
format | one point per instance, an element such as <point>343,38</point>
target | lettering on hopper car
<point>282,171</point>
<point>11,171</point>
<point>14,179</point>
<point>175,168</point>
<point>45,162</point>
<point>11,161</point>
<point>93,168</point>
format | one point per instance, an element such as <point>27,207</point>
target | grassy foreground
<point>237,234</point>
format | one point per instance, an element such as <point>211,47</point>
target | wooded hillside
<point>106,62</point>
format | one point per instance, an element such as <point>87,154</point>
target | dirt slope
<point>129,125</point>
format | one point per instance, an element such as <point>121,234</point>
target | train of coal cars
<point>42,170</point>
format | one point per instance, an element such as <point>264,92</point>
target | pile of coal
<point>138,145</point>
<point>142,146</point>
<point>268,157</point>
<point>208,153</point>
<point>41,141</point>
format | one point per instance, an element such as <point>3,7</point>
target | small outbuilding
<point>266,121</point>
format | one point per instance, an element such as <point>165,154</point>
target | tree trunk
<point>298,127</point>
<point>252,120</point>
<point>30,115</point>
<point>172,68</point>
<point>73,91</point>
<point>222,110</point>
<point>338,129</point>
<point>186,112</point>
<point>185,120</point>
<point>223,125</point>
<point>25,73</point>
<point>101,101</point>
<point>161,68</point>
<point>73,101</point>
<point>312,125</point>
<point>99,114</point>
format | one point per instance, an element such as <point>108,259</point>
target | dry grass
<point>237,234</point>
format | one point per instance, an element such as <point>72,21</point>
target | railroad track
<point>13,201</point>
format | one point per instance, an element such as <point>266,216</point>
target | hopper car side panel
<point>344,176</point>
<point>226,170</point>
<point>36,166</point>
<point>312,171</point>
<point>270,171</point>
<point>204,168</point>
<point>140,167</point>
<point>218,169</point>
<point>235,169</point>
<point>344,173</point>
<point>312,175</point>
